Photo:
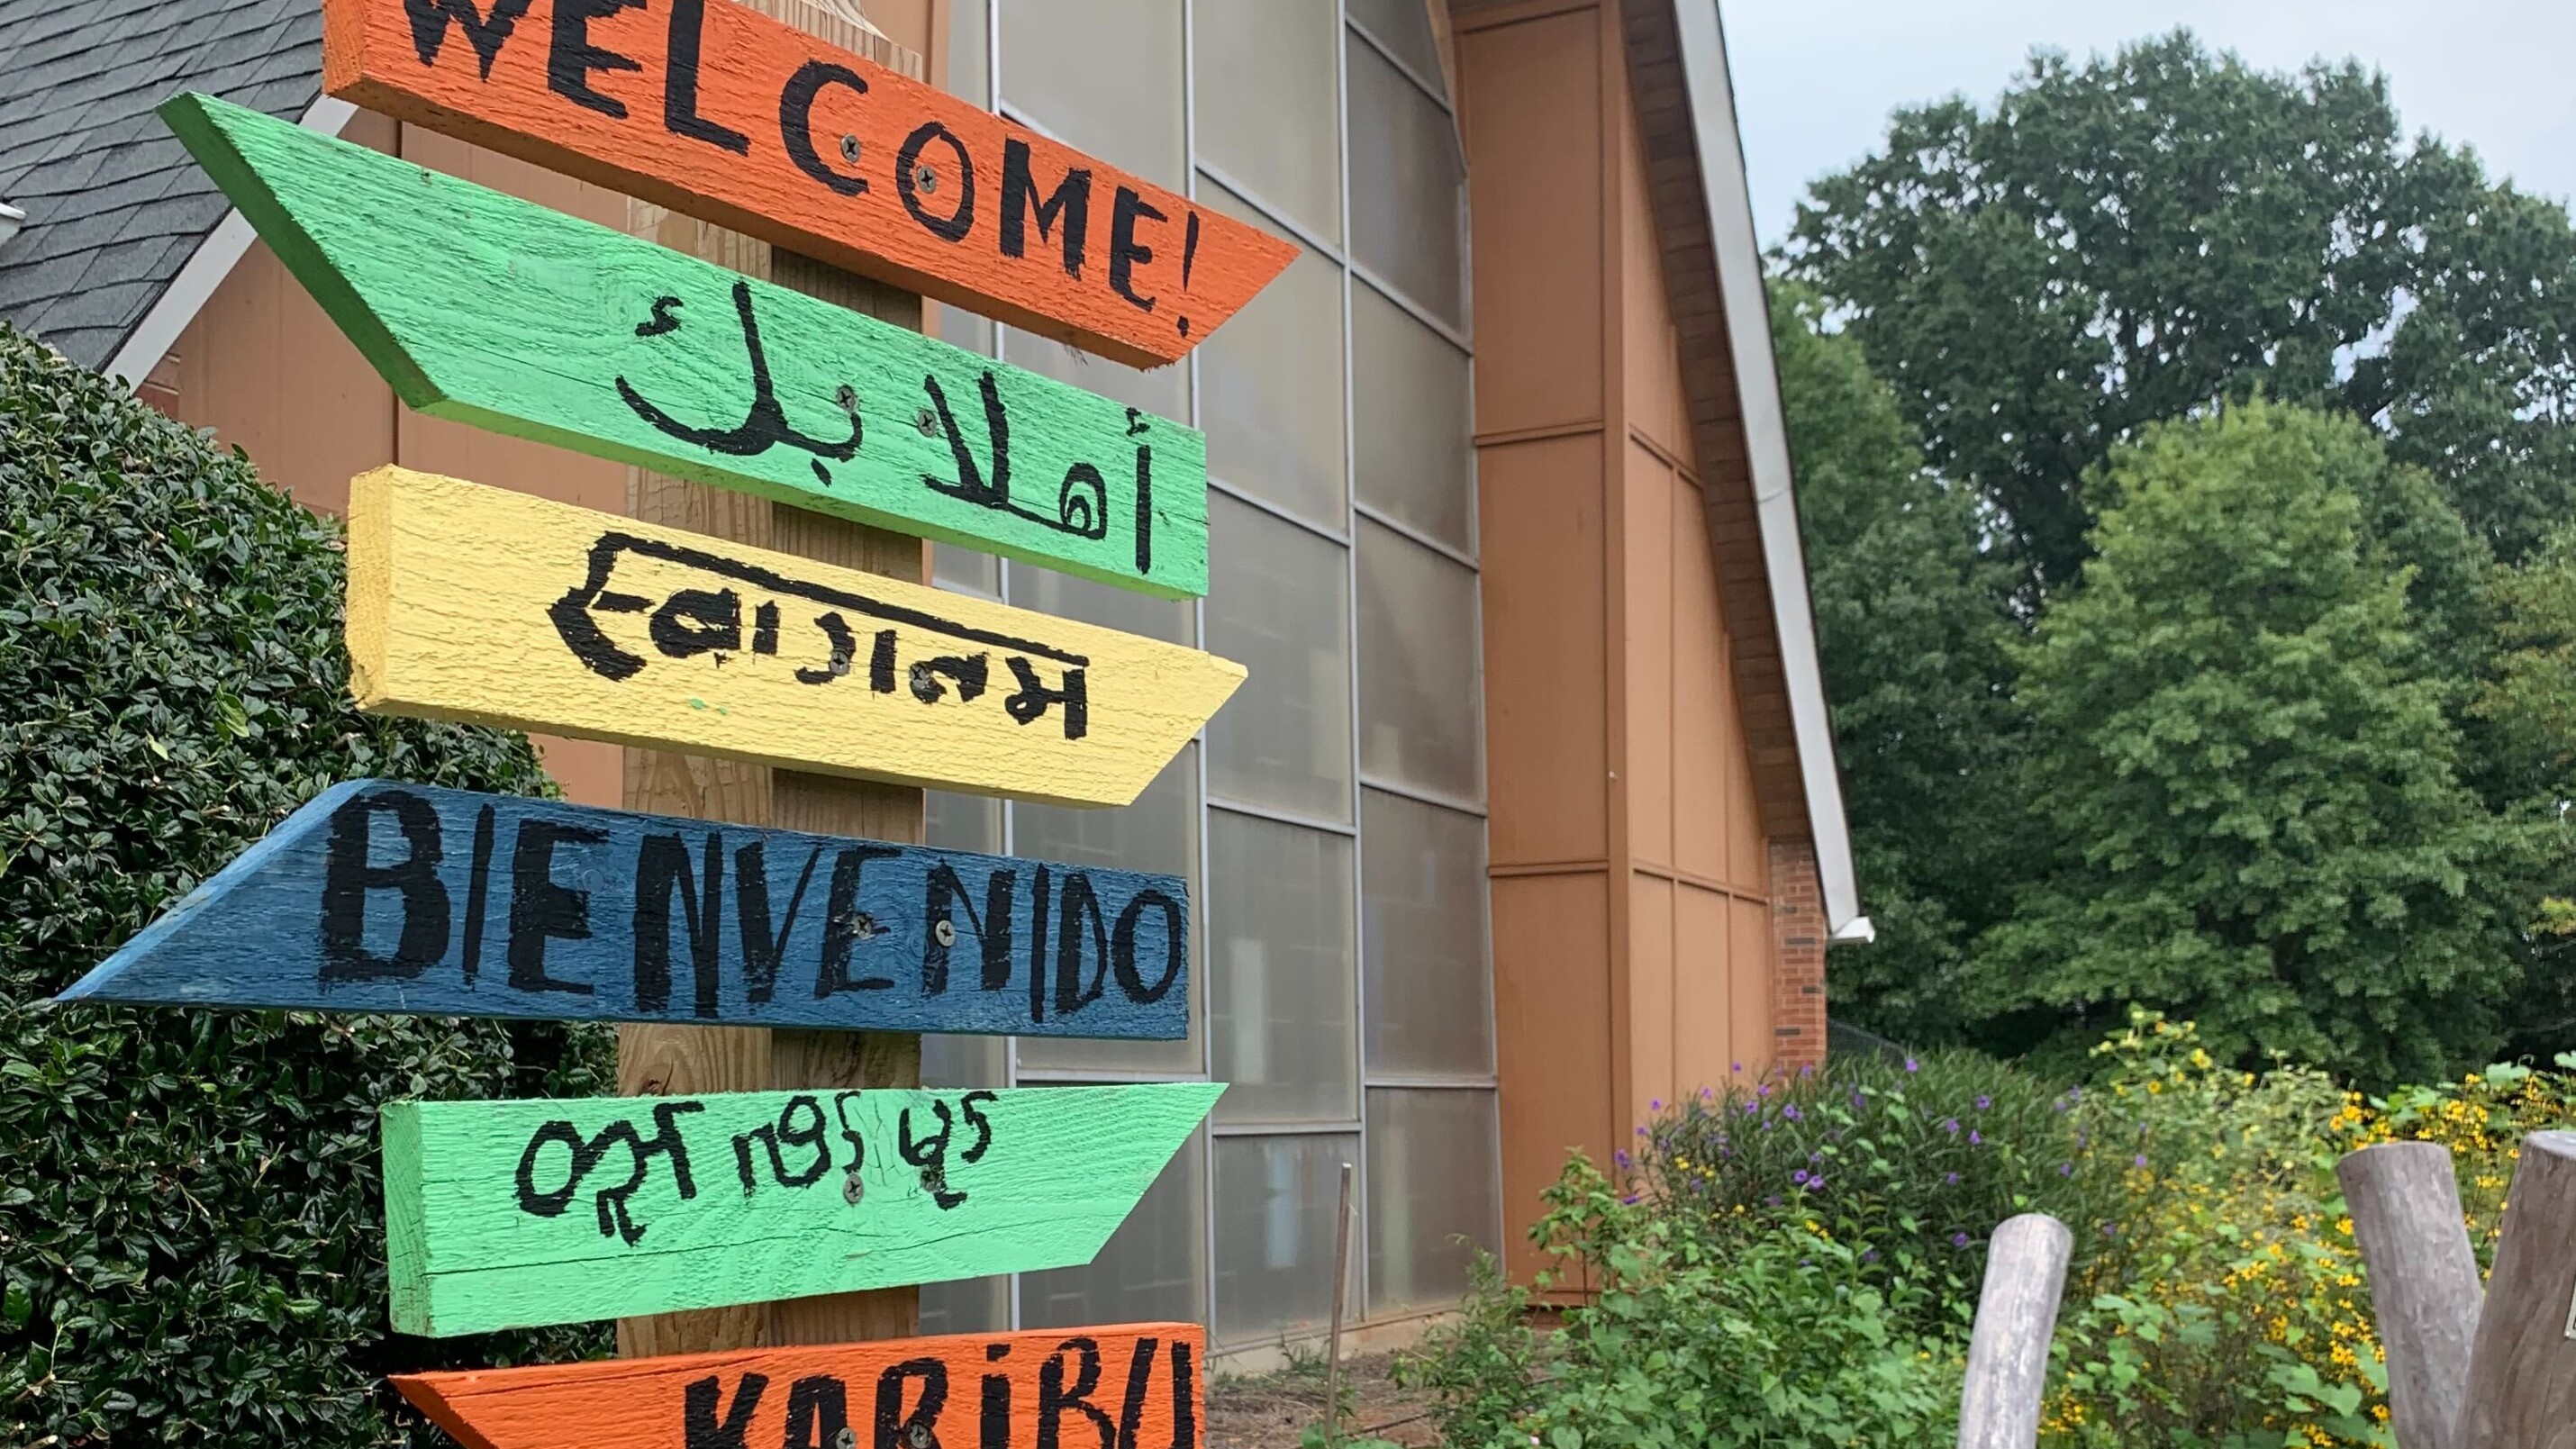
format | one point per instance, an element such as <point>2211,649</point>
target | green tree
<point>2132,239</point>
<point>2245,774</point>
<point>1913,623</point>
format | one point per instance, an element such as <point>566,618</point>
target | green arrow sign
<point>512,1214</point>
<point>498,312</point>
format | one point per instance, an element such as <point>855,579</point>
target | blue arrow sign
<point>385,897</point>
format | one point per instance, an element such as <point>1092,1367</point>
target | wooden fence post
<point>2424,1290</point>
<point>2016,1317</point>
<point>2522,1371</point>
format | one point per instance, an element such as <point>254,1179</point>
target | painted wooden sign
<point>385,897</point>
<point>477,604</point>
<point>544,326</point>
<point>715,110</point>
<point>1129,1386</point>
<point>513,1214</point>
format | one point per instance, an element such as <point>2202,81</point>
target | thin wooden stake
<point>2016,1317</point>
<point>1333,1337</point>
<point>2521,1390</point>
<point>2405,1205</point>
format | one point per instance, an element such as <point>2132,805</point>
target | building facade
<point>1526,819</point>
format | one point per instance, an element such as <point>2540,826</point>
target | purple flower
<point>1976,1141</point>
<point>2066,1169</point>
<point>1799,1177</point>
<point>1958,1240</point>
<point>1641,1131</point>
<point>1950,1125</point>
<point>1656,1105</point>
<point>1630,1200</point>
<point>1623,1157</point>
<point>1807,1070</point>
<point>1912,1065</point>
<point>1706,1095</point>
<point>2139,1161</point>
<point>1816,1181</point>
<point>1950,1180</point>
<point>1773,1200</point>
<point>1739,1066</point>
<point>2075,1094</point>
<point>1792,1113</point>
<point>1984,1101</point>
<point>1869,1255</point>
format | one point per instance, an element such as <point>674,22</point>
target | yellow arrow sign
<point>476,604</point>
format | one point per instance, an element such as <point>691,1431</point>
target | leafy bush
<point>190,1237</point>
<point>1911,1162</point>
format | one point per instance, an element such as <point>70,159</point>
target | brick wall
<point>1797,957</point>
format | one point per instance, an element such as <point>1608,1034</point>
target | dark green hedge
<point>191,1246</point>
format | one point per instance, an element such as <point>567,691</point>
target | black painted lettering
<point>993,1424</point>
<point>972,1106</point>
<point>347,877</point>
<point>881,663</point>
<point>1033,699</point>
<point>1185,1398</point>
<point>680,83</point>
<point>572,58</point>
<point>478,894</point>
<point>918,1429</point>
<point>430,19</point>
<point>944,894</point>
<point>800,1124</point>
<point>698,621</point>
<point>796,122</point>
<point>845,925</point>
<point>1125,252</point>
<point>1140,1376</point>
<point>1041,904</point>
<point>1067,208</point>
<point>542,910</point>
<point>661,867</point>
<point>930,1154</point>
<point>914,181</point>
<point>1081,908</point>
<point>1054,1398</point>
<point>761,949</point>
<point>587,1153</point>
<point>1176,946</point>
<point>818,1409</point>
<point>700,1426</point>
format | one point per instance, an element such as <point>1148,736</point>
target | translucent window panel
<point>970,59</point>
<point>1276,1203</point>
<point>1279,603</point>
<point>1174,621</point>
<point>1434,1176</point>
<point>1164,392</point>
<point>1430,989</point>
<point>1154,1268</point>
<point>968,1305</point>
<point>1270,105</point>
<point>964,568</point>
<point>1407,187</point>
<point>1421,669</point>
<point>1280,994</point>
<point>1105,75</point>
<point>1160,832</point>
<point>1404,27</point>
<point>1412,425</point>
<point>1270,386</point>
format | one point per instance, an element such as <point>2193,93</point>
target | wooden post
<point>2424,1292</point>
<point>655,1060</point>
<point>1333,1334</point>
<point>2016,1316</point>
<point>2521,1390</point>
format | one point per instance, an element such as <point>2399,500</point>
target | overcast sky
<point>1815,79</point>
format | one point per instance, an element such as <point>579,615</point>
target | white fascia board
<point>205,270</point>
<point>1766,443</point>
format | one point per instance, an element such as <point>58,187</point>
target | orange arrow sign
<point>718,111</point>
<point>1135,1386</point>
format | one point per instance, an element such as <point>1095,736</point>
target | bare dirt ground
<point>1274,1410</point>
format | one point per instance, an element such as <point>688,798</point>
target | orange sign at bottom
<point>1134,1386</point>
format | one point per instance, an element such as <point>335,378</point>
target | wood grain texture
<point>713,109</point>
<point>514,1214</point>
<point>2424,1288</point>
<point>2016,1317</point>
<point>2521,1391</point>
<point>642,635</point>
<point>1138,1385</point>
<point>548,327</point>
<point>385,897</point>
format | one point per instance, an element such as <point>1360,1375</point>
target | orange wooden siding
<point>1633,952</point>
